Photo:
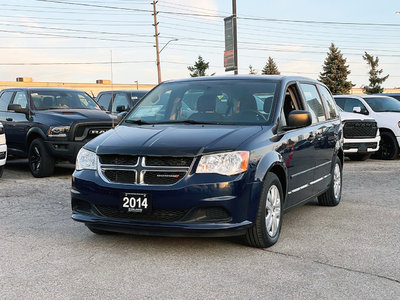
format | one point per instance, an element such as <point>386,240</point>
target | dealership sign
<point>229,53</point>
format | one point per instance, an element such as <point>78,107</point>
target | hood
<point>183,140</point>
<point>67,116</point>
<point>344,116</point>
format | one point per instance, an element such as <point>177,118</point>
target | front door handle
<point>9,119</point>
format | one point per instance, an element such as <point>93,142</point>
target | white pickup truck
<point>386,112</point>
<point>3,149</point>
<point>361,135</point>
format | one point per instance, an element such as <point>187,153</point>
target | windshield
<point>382,104</point>
<point>62,99</point>
<point>223,101</point>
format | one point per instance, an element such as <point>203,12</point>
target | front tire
<point>388,147</point>
<point>266,230</point>
<point>41,163</point>
<point>1,171</point>
<point>333,195</point>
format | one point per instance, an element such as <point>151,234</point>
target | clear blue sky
<point>44,32</point>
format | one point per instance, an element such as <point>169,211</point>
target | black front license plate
<point>362,147</point>
<point>136,203</point>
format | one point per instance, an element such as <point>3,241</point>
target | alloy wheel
<point>337,181</point>
<point>35,159</point>
<point>273,211</point>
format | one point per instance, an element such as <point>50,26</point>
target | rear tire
<point>359,157</point>
<point>333,195</point>
<point>266,230</point>
<point>41,163</point>
<point>388,147</point>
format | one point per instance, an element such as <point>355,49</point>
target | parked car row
<point>212,156</point>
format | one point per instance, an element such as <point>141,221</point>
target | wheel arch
<point>273,162</point>
<point>33,133</point>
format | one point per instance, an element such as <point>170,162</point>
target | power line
<point>74,63</point>
<point>76,30</point>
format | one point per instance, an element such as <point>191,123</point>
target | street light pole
<point>173,40</point>
<point>156,36</point>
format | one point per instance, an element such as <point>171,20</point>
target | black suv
<point>47,124</point>
<point>213,156</point>
<point>119,101</point>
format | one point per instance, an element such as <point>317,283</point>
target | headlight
<point>86,160</point>
<point>59,131</point>
<point>398,124</point>
<point>230,163</point>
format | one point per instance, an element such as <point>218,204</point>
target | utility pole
<point>235,48</point>
<point>156,34</point>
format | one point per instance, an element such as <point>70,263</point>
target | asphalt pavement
<point>351,251</point>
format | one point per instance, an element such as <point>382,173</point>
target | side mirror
<point>299,118</point>
<point>359,110</point>
<point>121,108</point>
<point>102,107</point>
<point>17,108</point>
<point>120,116</point>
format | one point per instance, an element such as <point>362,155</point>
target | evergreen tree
<point>252,71</point>
<point>335,72</point>
<point>199,68</point>
<point>375,81</point>
<point>270,68</point>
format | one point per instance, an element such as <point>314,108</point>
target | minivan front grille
<point>144,170</point>
<point>359,129</point>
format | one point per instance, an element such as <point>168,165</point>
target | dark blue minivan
<point>213,156</point>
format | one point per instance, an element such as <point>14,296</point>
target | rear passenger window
<point>329,102</point>
<point>313,102</point>
<point>5,100</point>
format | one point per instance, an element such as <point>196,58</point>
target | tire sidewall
<point>46,161</point>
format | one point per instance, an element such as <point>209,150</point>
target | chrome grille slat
<point>144,174</point>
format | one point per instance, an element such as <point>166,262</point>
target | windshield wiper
<point>389,110</point>
<point>139,122</point>
<point>187,122</point>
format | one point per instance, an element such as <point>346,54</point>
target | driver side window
<point>291,102</point>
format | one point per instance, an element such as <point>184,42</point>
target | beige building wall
<point>90,88</point>
<point>105,85</point>
<point>359,91</point>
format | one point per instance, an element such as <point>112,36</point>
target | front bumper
<point>63,149</point>
<point>3,154</point>
<point>361,145</point>
<point>238,199</point>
